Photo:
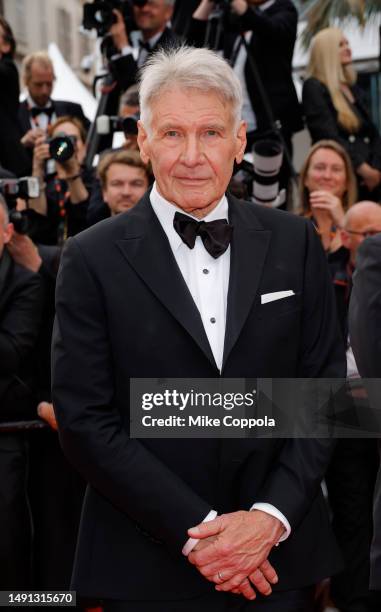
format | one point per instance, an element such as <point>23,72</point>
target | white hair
<point>188,68</point>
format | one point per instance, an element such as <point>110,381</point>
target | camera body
<point>26,187</point>
<point>61,147</point>
<point>108,125</point>
<point>99,16</point>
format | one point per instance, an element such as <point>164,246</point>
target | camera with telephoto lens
<point>260,171</point>
<point>61,147</point>
<point>109,125</point>
<point>99,16</point>
<point>25,188</point>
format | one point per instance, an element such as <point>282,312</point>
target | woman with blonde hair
<point>327,188</point>
<point>334,108</point>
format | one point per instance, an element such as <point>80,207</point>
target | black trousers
<point>15,517</point>
<point>350,480</point>
<point>300,600</point>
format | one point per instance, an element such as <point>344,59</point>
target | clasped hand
<point>233,551</point>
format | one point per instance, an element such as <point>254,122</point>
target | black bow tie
<point>215,235</point>
<point>145,45</point>
<point>38,110</point>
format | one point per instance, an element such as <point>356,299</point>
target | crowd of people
<point>339,195</point>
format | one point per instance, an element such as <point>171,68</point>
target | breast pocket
<point>280,307</point>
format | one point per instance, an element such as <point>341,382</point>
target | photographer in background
<point>151,17</point>
<point>12,154</point>
<point>123,180</point>
<point>39,111</point>
<point>60,211</point>
<point>269,28</point>
<point>21,299</point>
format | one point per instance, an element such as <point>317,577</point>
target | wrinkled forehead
<point>166,101</point>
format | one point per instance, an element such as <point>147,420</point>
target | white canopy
<point>67,85</point>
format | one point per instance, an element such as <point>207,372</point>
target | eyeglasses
<point>366,234</point>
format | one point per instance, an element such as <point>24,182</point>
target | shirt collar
<point>266,5</point>
<point>165,212</point>
<point>31,103</point>
<point>136,35</point>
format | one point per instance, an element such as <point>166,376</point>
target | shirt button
<point>205,271</point>
<point>212,320</point>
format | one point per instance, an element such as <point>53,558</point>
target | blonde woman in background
<point>334,108</point>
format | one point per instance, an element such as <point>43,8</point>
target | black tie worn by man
<point>135,300</point>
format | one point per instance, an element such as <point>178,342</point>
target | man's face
<point>192,146</point>
<point>40,84</point>
<point>361,225</point>
<point>6,231</point>
<point>153,16</point>
<point>125,185</point>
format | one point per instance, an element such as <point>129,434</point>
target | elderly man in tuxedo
<point>175,288</point>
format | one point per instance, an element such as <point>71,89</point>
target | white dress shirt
<point>208,282</point>
<point>139,53</point>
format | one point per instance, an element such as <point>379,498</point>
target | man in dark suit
<point>21,301</point>
<point>152,18</point>
<point>38,111</point>
<point>270,28</point>
<point>365,331</point>
<point>157,293</point>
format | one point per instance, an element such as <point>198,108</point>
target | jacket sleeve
<point>280,26</point>
<point>121,469</point>
<point>365,309</point>
<point>295,480</point>
<point>20,321</point>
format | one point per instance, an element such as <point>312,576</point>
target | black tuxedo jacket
<point>61,107</point>
<point>124,310</point>
<point>21,302</point>
<point>271,47</point>
<point>365,332</point>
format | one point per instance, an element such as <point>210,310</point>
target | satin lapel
<point>248,253</point>
<point>147,250</point>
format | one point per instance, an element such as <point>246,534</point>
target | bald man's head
<point>361,220</point>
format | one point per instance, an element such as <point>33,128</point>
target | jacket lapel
<point>248,253</point>
<point>147,250</point>
<point>23,116</point>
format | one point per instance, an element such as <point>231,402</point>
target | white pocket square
<point>277,295</point>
